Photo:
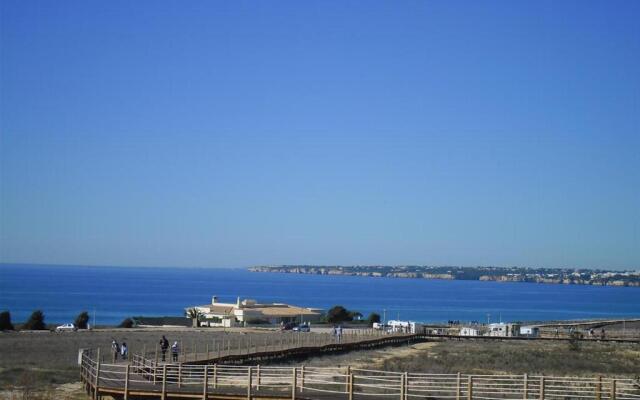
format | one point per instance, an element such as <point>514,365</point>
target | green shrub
<point>373,318</point>
<point>82,320</point>
<point>35,321</point>
<point>126,323</point>
<point>337,314</point>
<point>5,321</point>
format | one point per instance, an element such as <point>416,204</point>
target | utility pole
<point>488,319</point>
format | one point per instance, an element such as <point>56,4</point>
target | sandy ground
<point>45,363</point>
<point>49,360</point>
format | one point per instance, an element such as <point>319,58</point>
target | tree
<point>35,321</point>
<point>126,323</point>
<point>5,321</point>
<point>337,314</point>
<point>195,316</point>
<point>82,320</point>
<point>373,318</point>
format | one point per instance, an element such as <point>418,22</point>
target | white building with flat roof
<point>249,311</point>
<point>504,329</point>
<point>469,331</point>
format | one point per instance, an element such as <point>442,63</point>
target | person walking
<point>124,351</point>
<point>164,345</point>
<point>174,351</point>
<point>115,349</point>
<point>339,333</point>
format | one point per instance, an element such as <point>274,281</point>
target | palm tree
<point>195,315</point>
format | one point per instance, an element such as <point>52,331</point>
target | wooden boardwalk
<point>297,345</point>
<point>223,378</point>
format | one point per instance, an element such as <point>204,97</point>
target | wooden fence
<point>144,378</point>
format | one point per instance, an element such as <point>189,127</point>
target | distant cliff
<point>499,274</point>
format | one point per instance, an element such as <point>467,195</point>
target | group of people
<point>122,350</point>
<point>593,334</point>
<point>164,346</point>
<point>119,349</point>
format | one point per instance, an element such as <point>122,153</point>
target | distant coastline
<point>497,274</point>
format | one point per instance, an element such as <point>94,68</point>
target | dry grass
<point>549,358</point>
<point>508,357</point>
<point>41,366</point>
<point>47,359</point>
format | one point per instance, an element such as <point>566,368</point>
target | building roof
<point>268,310</point>
<point>218,309</point>
<point>281,310</point>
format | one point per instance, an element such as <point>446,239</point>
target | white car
<point>302,328</point>
<point>66,327</point>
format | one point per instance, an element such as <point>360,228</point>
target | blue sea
<point>114,293</point>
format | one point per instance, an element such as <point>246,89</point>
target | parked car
<point>288,326</point>
<point>302,328</point>
<point>66,327</point>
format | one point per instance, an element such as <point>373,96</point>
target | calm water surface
<point>117,292</point>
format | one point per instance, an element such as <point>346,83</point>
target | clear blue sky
<point>330,132</point>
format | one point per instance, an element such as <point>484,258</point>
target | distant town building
<point>504,330</point>
<point>532,331</point>
<point>249,311</point>
<point>405,326</point>
<point>469,331</point>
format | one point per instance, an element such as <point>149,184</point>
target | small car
<point>302,328</point>
<point>288,326</point>
<point>66,327</point>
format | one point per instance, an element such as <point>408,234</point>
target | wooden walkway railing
<point>144,378</point>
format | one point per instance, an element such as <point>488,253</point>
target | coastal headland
<point>565,276</point>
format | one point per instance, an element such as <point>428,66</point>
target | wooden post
<point>249,383</point>
<point>219,349</point>
<point>470,388</point>
<point>126,383</point>
<point>302,379</point>
<point>144,351</point>
<point>195,350</point>
<point>155,370</point>
<point>293,384</point>
<point>179,374</point>
<point>542,388</point>
<point>613,390</point>
<point>458,387</point>
<point>215,376</point>
<point>164,382</point>
<point>156,357</point>
<point>184,352</point>
<point>258,377</point>
<point>406,386</point>
<point>599,388</point>
<point>207,351</point>
<point>347,372</point>
<point>350,385</point>
<point>97,382</point>
<point>402,386</point>
<point>205,382</point>
<point>525,387</point>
